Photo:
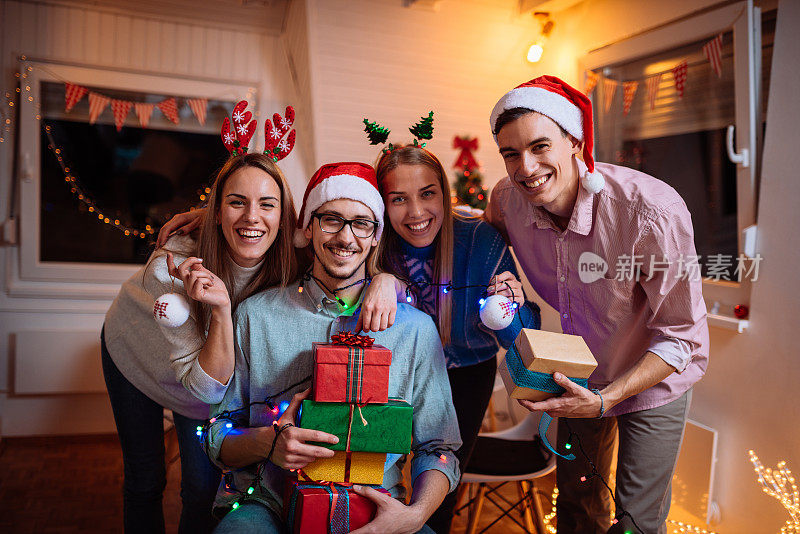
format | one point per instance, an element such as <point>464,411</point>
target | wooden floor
<point>74,484</point>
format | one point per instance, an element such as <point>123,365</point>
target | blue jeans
<point>140,425</point>
<point>255,518</point>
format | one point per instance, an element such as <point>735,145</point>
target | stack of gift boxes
<point>350,401</point>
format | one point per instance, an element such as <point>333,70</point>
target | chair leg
<point>475,509</point>
<point>460,492</point>
<point>526,506</point>
<point>537,507</point>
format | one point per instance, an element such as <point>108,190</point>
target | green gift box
<point>371,427</point>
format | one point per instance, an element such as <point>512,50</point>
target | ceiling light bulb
<point>535,53</point>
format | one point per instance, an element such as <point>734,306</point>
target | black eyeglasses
<point>333,224</point>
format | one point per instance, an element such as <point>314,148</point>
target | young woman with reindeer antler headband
<point>245,242</point>
<point>427,250</point>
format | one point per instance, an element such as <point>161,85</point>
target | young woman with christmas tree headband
<point>245,242</point>
<point>444,263</point>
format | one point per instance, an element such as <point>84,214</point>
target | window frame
<point>29,276</point>
<point>744,20</point>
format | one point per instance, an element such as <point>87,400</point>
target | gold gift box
<point>365,468</point>
<point>548,352</point>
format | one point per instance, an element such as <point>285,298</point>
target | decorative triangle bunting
<point>97,104</point>
<point>144,112</point>
<point>713,52</point>
<point>198,107</point>
<point>169,107</point>
<point>609,89</point>
<point>121,108</point>
<point>652,89</point>
<point>591,82</point>
<point>679,73</point>
<point>72,95</point>
<point>628,92</point>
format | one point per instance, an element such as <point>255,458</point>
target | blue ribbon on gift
<point>526,378</point>
<point>340,518</point>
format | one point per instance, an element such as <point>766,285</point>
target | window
<point>682,141</point>
<point>137,176</point>
<point>125,184</point>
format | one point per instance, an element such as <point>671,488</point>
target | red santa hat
<point>566,106</point>
<point>351,180</point>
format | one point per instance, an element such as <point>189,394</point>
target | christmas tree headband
<point>275,144</point>
<point>377,134</point>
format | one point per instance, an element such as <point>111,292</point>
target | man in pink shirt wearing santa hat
<point>570,222</point>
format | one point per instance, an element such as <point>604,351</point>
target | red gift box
<point>310,508</point>
<point>351,369</point>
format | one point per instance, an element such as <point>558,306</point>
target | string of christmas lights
<point>79,193</point>
<point>24,91</point>
<point>780,484</point>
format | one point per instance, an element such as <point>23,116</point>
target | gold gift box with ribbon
<point>353,467</point>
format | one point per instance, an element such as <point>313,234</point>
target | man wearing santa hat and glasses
<point>340,222</point>
<point>645,322</point>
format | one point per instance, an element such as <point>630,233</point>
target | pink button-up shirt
<point>633,245</point>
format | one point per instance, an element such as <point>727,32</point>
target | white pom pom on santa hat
<point>566,106</point>
<point>350,180</point>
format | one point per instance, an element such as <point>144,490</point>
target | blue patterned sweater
<point>479,253</point>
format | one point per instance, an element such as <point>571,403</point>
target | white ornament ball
<point>171,309</point>
<point>497,312</point>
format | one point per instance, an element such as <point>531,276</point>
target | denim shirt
<point>479,253</point>
<point>274,331</point>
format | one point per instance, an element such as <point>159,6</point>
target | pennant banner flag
<point>169,108</point>
<point>198,107</point>
<point>121,108</point>
<point>713,52</point>
<point>628,92</point>
<point>73,94</point>
<point>144,111</point>
<point>609,89</point>
<point>679,73</point>
<point>97,103</point>
<point>652,89</point>
<point>591,82</point>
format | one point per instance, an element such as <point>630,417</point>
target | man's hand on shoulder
<point>392,516</point>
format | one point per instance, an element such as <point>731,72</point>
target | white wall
<point>391,64</point>
<point>96,35</point>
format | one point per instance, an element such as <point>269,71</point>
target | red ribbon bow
<point>352,339</point>
<point>465,159</point>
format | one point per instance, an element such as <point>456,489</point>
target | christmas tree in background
<point>469,187</point>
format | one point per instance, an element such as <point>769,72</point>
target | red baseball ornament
<point>275,144</point>
<point>238,139</point>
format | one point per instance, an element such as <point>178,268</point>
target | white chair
<point>520,437</point>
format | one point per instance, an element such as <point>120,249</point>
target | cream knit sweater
<point>160,361</point>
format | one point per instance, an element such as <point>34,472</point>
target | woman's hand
<point>379,306</point>
<point>200,284</point>
<point>506,284</point>
<point>180,224</point>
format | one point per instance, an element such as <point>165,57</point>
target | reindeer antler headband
<point>276,144</point>
<point>377,134</point>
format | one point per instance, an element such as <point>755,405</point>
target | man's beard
<point>333,274</point>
